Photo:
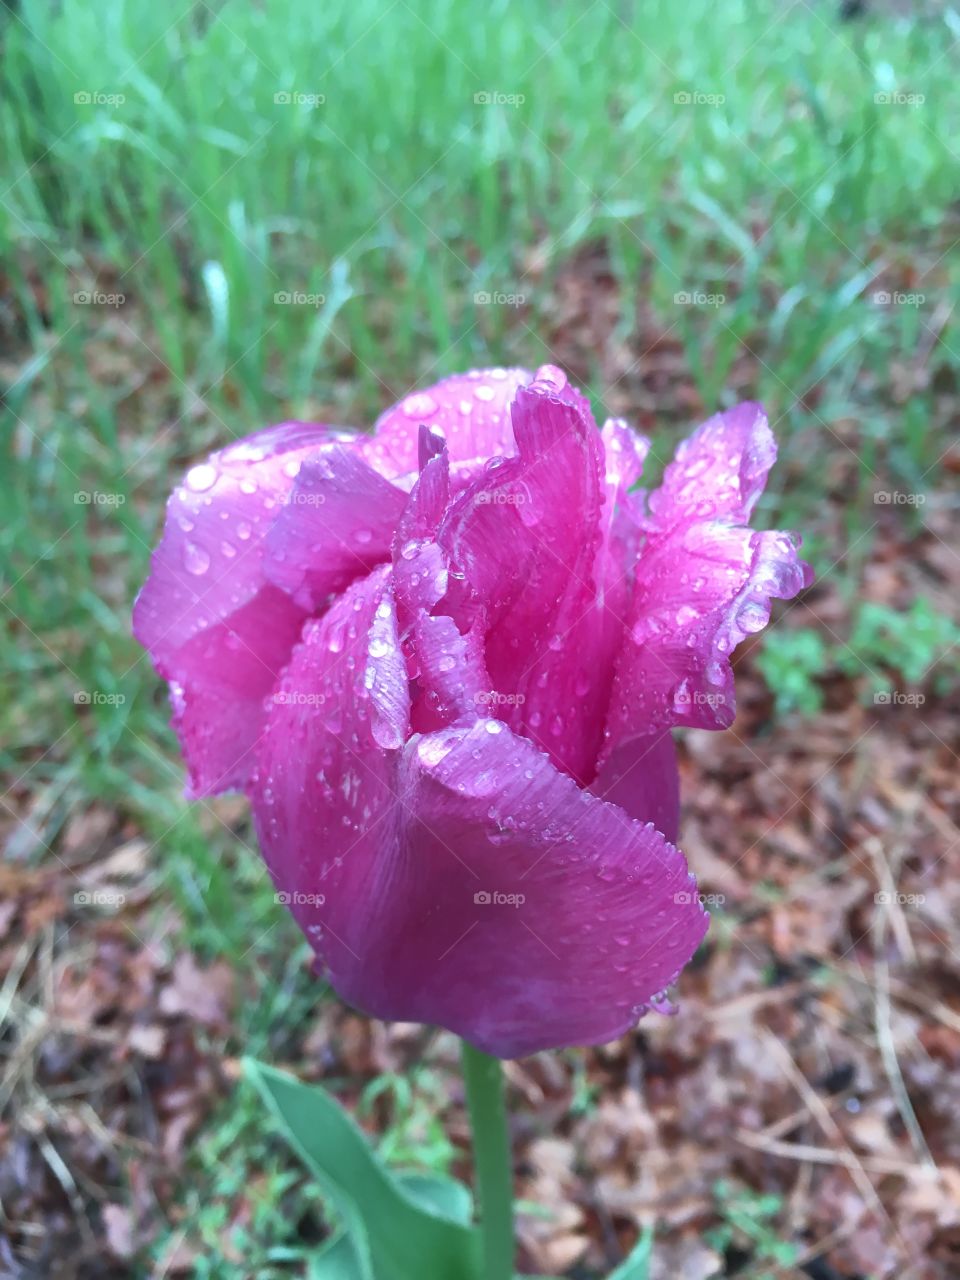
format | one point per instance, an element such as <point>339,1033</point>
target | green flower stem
<point>491,1155</point>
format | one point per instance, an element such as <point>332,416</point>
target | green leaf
<point>394,1228</point>
<point>637,1265</point>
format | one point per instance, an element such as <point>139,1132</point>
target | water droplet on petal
<point>201,477</point>
<point>419,405</point>
<point>195,559</point>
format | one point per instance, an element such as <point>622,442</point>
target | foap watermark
<point>303,498</point>
<point>484,299</point>
<point>898,698</point>
<point>494,698</point>
<point>896,99</point>
<point>94,98</point>
<point>98,698</point>
<point>501,498</point>
<point>99,898</point>
<point>298,698</point>
<point>697,298</point>
<point>896,298</point>
<point>296,299</point>
<point>296,99</point>
<point>898,498</point>
<point>685,898</point>
<point>684,698</point>
<point>694,98</point>
<point>494,898</point>
<point>494,98</point>
<point>890,898</point>
<point>97,298</point>
<point>97,498</point>
<point>298,899</point>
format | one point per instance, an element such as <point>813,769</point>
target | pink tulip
<point>444,662</point>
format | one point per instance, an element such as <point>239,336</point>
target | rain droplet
<point>201,477</point>
<point>195,559</point>
<point>419,405</point>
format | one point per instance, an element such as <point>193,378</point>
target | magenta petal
<point>212,624</point>
<point>641,777</point>
<point>452,679</point>
<point>524,539</point>
<point>218,683</point>
<point>703,582</point>
<point>471,410</point>
<point>325,789</point>
<point>624,454</point>
<point>420,569</point>
<point>523,913</point>
<point>336,524</point>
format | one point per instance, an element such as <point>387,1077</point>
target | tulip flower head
<point>444,661</point>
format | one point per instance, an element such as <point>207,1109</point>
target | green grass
<point>199,199</point>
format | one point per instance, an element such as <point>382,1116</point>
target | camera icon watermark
<point>898,498</point>
<point>99,898</point>
<point>494,98</point>
<point>494,898</point>
<point>303,498</point>
<point>95,98</point>
<point>896,99</point>
<point>684,698</point>
<point>896,298</point>
<point>294,99</point>
<point>494,698</point>
<point>284,298</point>
<point>97,498</point>
<point>897,698</point>
<point>484,299</point>
<point>97,298</point>
<point>297,698</point>
<point>686,897</point>
<point>501,498</point>
<point>694,98</point>
<point>697,298</point>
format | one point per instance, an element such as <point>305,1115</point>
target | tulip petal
<point>703,582</point>
<point>324,792</point>
<point>337,523</point>
<point>471,410</point>
<point>641,777</point>
<point>524,914</point>
<point>452,680</point>
<point>420,570</point>
<point>524,539</point>
<point>211,622</point>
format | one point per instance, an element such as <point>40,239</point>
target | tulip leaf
<point>339,1259</point>
<point>394,1227</point>
<point>637,1265</point>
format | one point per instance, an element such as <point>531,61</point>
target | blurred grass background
<point>214,216</point>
